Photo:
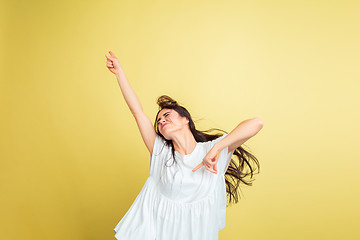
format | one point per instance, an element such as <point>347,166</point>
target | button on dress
<point>176,203</point>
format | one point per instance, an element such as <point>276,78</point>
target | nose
<point>162,123</point>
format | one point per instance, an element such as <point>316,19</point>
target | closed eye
<point>166,114</point>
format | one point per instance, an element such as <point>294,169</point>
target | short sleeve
<point>224,156</point>
<point>157,156</point>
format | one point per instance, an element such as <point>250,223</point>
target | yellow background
<point>72,157</point>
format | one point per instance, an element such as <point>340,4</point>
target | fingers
<point>109,61</point>
<point>111,57</point>
<point>109,64</point>
<point>198,166</point>
<point>207,167</point>
<point>108,57</point>
<point>215,167</point>
<point>112,54</point>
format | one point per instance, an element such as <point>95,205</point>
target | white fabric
<point>176,203</point>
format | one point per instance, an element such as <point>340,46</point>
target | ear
<point>185,119</point>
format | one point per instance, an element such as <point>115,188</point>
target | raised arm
<point>145,126</point>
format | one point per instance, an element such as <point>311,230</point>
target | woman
<point>191,172</point>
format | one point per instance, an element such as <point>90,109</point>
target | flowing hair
<point>240,171</point>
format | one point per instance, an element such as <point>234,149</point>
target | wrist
<point>119,72</point>
<point>218,147</point>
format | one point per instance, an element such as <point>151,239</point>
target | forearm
<point>243,132</point>
<point>128,93</point>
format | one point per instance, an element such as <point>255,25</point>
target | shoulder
<point>158,155</point>
<point>212,142</point>
<point>159,145</point>
<point>209,144</point>
<point>219,138</point>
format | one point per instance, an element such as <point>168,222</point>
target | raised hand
<point>112,63</point>
<point>209,161</point>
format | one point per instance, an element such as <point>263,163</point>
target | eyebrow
<point>163,115</point>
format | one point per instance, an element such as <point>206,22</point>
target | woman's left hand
<point>209,161</point>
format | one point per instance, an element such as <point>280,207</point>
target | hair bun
<point>164,101</point>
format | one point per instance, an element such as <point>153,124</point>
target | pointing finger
<point>210,169</point>
<point>112,54</point>
<point>215,167</point>
<point>197,167</point>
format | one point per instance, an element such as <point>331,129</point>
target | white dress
<point>176,203</point>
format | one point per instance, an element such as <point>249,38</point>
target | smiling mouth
<point>164,125</point>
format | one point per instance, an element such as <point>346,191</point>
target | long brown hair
<point>237,171</point>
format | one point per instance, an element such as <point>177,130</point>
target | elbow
<point>259,122</point>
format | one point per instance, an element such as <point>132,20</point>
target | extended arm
<point>146,128</point>
<point>128,93</point>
